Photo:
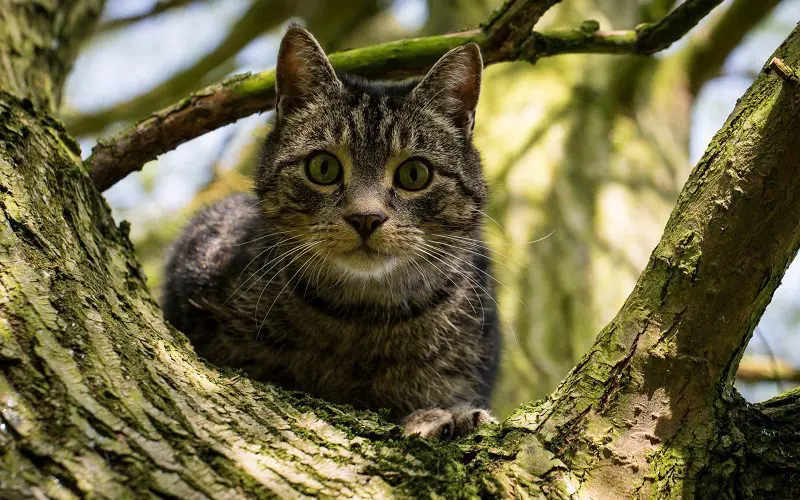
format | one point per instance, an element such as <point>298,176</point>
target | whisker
<point>450,255</point>
<point>472,280</point>
<point>447,275</point>
<point>279,243</point>
<point>509,243</point>
<point>281,292</point>
<point>255,311</point>
<point>471,285</point>
<point>275,262</point>
<point>492,219</point>
<point>255,273</point>
<point>268,235</point>
<point>488,250</point>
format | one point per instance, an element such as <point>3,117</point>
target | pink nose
<point>366,224</point>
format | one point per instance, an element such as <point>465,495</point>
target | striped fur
<point>277,283</point>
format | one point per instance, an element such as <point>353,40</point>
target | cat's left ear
<point>454,84</point>
<point>303,70</point>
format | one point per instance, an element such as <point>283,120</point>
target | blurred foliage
<point>585,155</point>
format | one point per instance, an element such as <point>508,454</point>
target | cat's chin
<point>365,265</point>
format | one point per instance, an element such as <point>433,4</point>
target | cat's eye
<point>413,175</point>
<point>323,168</point>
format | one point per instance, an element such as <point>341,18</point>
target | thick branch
<point>658,36</point>
<point>114,158</point>
<point>259,18</point>
<point>711,47</point>
<point>663,367</point>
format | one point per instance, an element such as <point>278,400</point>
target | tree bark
<point>99,397</point>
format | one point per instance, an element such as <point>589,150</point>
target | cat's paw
<point>436,423</point>
<point>469,419</point>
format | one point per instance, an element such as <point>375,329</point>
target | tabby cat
<point>356,272</point>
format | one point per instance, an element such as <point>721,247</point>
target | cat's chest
<point>363,378</point>
<point>410,365</point>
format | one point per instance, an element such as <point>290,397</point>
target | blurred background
<point>585,154</point>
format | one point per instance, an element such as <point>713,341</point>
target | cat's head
<point>372,178</point>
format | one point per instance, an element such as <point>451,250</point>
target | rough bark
<point>39,40</point>
<point>98,396</point>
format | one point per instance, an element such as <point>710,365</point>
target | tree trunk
<point>98,396</point>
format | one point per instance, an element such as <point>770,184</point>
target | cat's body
<point>357,272</point>
<point>429,350</point>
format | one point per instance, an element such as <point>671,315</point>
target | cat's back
<point>209,253</point>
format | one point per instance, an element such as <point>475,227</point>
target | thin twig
<point>646,39</point>
<point>754,368</point>
<point>654,37</point>
<point>158,8</point>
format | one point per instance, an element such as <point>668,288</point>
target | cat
<point>357,271</point>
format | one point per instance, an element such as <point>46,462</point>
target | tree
<point>99,396</point>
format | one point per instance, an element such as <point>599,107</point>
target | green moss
<point>256,84</point>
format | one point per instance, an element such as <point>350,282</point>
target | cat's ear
<point>454,84</point>
<point>302,71</point>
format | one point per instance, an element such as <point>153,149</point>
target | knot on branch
<point>783,70</point>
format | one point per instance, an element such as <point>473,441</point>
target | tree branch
<point>218,105</point>
<point>646,39</point>
<point>766,369</point>
<point>510,25</point>
<point>654,37</point>
<point>262,16</point>
<point>159,8</point>
<point>710,48</point>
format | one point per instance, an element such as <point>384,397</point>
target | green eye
<point>413,175</point>
<point>323,168</point>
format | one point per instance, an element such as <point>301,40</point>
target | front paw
<point>437,423</point>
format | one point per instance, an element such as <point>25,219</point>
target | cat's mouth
<point>365,250</point>
<point>368,254</point>
<point>367,261</point>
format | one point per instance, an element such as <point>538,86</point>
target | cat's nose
<point>366,224</point>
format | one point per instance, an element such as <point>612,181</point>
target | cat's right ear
<point>302,71</point>
<point>454,84</point>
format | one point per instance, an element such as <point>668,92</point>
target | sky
<point>125,63</point>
